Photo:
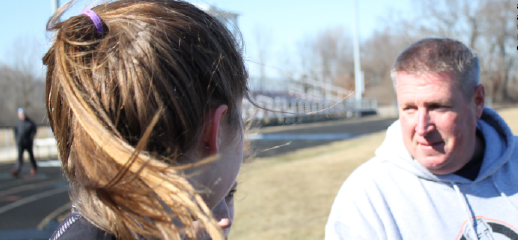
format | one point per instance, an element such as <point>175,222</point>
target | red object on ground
<point>10,198</point>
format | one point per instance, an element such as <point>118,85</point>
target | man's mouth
<point>430,145</point>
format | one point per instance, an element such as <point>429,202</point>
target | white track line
<point>32,198</point>
<point>28,187</point>
<point>53,215</point>
<point>49,163</point>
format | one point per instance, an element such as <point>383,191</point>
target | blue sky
<point>289,22</point>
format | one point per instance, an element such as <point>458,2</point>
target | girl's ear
<point>212,130</point>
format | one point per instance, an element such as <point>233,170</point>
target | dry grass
<point>290,196</point>
<point>511,117</point>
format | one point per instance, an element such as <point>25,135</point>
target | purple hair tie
<point>96,19</point>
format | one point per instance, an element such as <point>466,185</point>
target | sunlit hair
<point>437,55</point>
<point>127,106</point>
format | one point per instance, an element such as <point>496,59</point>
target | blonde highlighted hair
<point>128,105</point>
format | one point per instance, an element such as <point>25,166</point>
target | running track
<point>30,205</point>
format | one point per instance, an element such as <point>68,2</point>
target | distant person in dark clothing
<point>24,133</point>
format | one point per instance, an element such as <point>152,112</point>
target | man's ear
<point>479,97</point>
<point>212,130</point>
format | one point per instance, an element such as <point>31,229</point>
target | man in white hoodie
<point>448,168</point>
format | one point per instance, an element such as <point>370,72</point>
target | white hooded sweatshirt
<point>393,197</point>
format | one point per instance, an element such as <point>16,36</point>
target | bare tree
<point>334,52</point>
<point>442,17</point>
<point>460,19</point>
<point>21,85</point>
<point>306,59</point>
<point>327,57</point>
<point>379,53</point>
<point>18,89</point>
<point>263,39</point>
<point>483,25</point>
<point>487,26</point>
<point>499,35</point>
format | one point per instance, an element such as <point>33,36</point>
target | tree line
<point>487,26</point>
<point>22,84</point>
<point>21,90</point>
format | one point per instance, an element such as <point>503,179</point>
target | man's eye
<point>408,109</point>
<point>437,106</point>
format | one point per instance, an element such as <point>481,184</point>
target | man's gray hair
<point>437,55</point>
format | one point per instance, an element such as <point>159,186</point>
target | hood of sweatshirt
<point>499,146</point>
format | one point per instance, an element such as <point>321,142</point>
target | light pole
<point>358,74</point>
<point>54,4</point>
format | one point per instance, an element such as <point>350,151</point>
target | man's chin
<point>434,164</point>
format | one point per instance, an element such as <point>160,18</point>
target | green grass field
<point>290,196</point>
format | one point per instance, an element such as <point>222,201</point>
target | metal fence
<point>271,111</point>
<point>44,144</point>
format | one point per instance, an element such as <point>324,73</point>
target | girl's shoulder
<point>75,226</point>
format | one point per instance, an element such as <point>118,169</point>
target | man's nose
<point>424,122</point>
<point>222,214</point>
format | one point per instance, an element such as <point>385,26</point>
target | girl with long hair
<point>144,98</point>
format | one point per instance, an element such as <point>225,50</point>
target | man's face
<point>21,116</point>
<point>438,124</point>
